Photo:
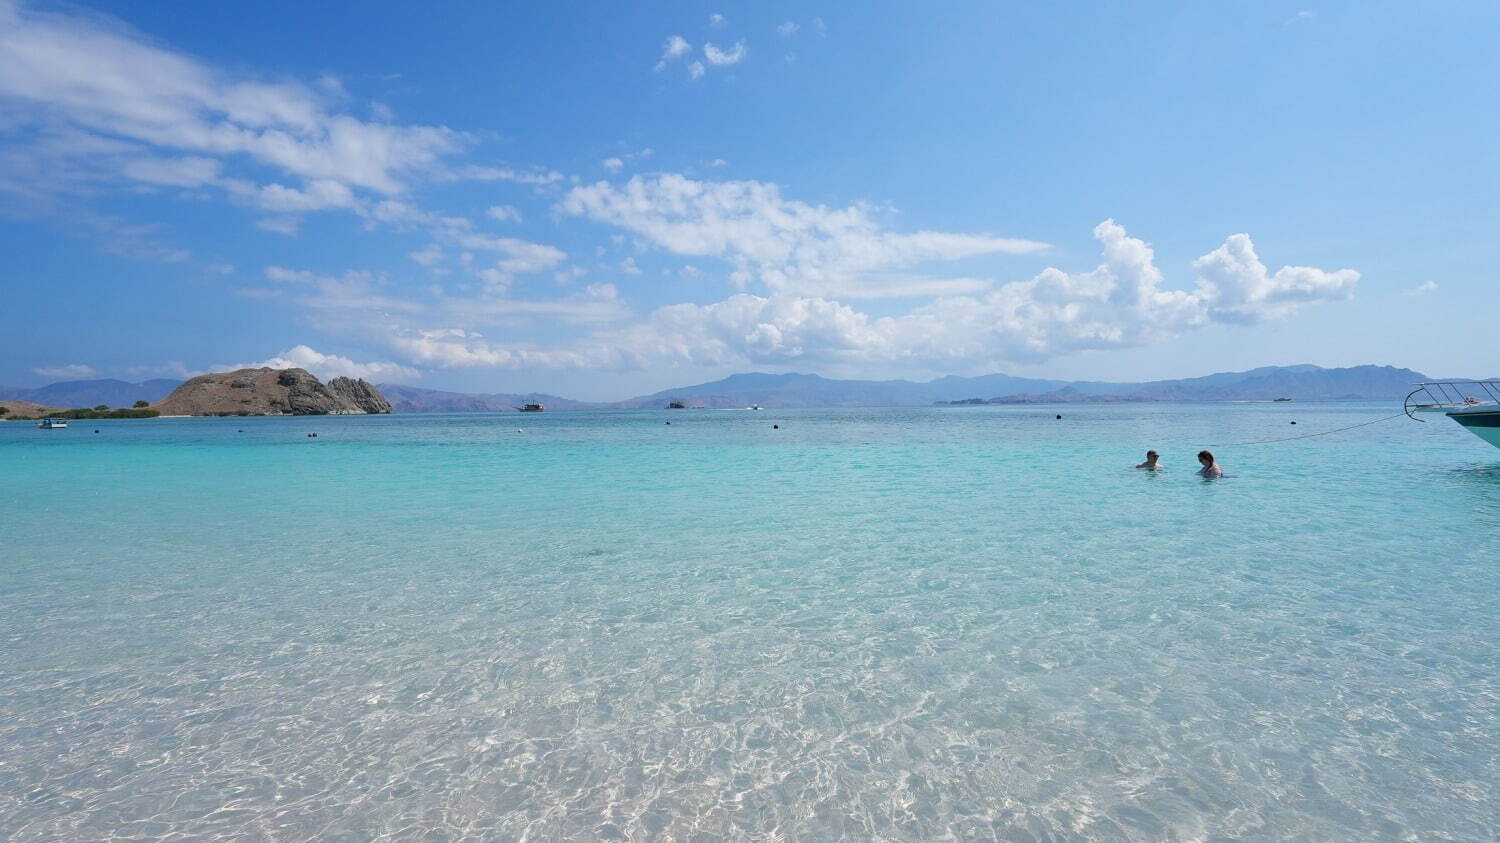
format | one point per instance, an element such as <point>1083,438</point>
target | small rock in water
<point>775,427</point>
<point>1059,415</point>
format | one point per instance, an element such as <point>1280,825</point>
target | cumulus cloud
<point>790,246</point>
<point>717,56</point>
<point>327,366</point>
<point>71,371</point>
<point>787,29</point>
<point>1426,288</point>
<point>613,164</point>
<point>1121,302</point>
<point>1239,289</point>
<point>695,70</point>
<point>717,21</point>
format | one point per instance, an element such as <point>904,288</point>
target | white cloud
<point>717,21</point>
<point>674,48</point>
<point>521,256</point>
<point>327,366</point>
<point>280,225</point>
<point>628,267</point>
<point>695,70</point>
<point>718,162</point>
<point>1120,303</point>
<point>181,171</point>
<point>429,256</point>
<point>789,246</point>
<point>77,71</point>
<point>537,177</point>
<point>787,29</point>
<point>504,213</point>
<point>716,56</point>
<point>821,27</point>
<point>1240,290</point>
<point>613,164</point>
<point>1426,288</point>
<point>352,292</point>
<point>72,371</point>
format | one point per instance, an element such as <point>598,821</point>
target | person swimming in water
<point>1150,464</point>
<point>1210,468</point>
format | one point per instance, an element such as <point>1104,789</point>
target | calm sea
<point>973,623</point>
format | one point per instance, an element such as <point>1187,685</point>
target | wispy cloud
<point>1426,288</point>
<point>71,371</point>
<point>789,246</point>
<point>672,49</point>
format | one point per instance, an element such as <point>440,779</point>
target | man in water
<point>1210,468</point>
<point>1150,463</point>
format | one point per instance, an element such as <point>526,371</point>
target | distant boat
<point>1282,400</point>
<point>1473,404</point>
<point>755,406</point>
<point>676,405</point>
<point>52,424</point>
<point>531,408</point>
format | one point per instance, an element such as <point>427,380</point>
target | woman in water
<point>1210,468</point>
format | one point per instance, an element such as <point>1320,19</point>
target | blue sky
<point>603,199</point>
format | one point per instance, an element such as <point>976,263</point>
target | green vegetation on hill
<point>106,413</point>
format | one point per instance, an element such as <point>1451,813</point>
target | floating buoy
<point>668,422</point>
<point>1293,422</point>
<point>96,430</point>
<point>312,436</point>
<point>1059,415</point>
<point>775,427</point>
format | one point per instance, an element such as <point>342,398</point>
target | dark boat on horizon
<point>531,408</point>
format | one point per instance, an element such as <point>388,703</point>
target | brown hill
<point>271,392</point>
<point>24,410</point>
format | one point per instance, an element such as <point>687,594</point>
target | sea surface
<point>908,624</point>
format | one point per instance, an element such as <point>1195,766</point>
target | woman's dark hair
<point>1202,454</point>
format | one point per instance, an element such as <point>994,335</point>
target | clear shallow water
<point>905,624</point>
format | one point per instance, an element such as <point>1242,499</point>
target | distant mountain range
<point>1301,383</point>
<point>92,393</point>
<point>412,399</point>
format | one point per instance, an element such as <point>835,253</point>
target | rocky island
<point>272,392</point>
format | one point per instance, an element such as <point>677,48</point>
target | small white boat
<point>1473,404</point>
<point>755,406</point>
<point>52,424</point>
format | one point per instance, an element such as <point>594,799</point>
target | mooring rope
<point>1310,435</point>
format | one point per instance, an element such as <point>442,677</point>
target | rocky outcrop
<point>271,392</point>
<point>360,394</point>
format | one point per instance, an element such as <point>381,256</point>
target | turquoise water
<point>904,624</point>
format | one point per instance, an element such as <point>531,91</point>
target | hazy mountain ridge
<point>414,399</point>
<point>92,393</point>
<point>793,390</point>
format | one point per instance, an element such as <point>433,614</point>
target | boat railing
<point>1446,395</point>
